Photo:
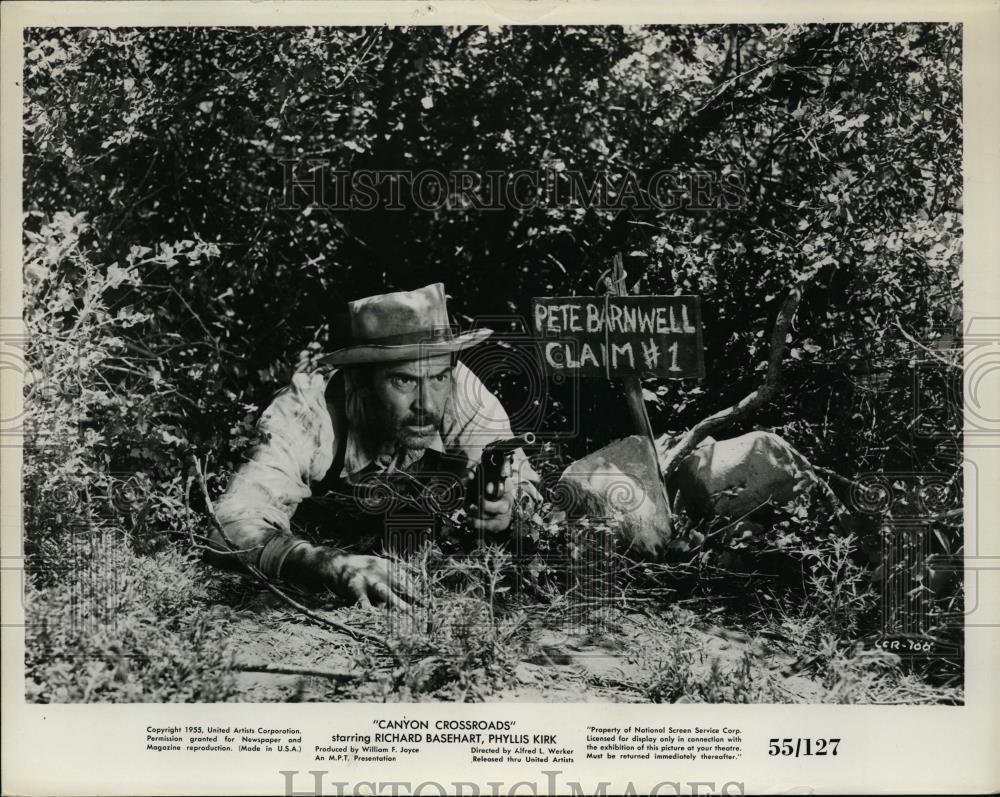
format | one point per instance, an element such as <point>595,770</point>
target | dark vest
<point>378,511</point>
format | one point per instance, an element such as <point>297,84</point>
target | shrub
<point>116,627</point>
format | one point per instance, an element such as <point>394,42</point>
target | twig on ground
<point>200,542</point>
<point>716,532</point>
<point>342,676</point>
<point>335,625</point>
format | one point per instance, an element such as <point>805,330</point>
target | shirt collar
<point>363,450</point>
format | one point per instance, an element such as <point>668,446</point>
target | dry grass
<point>487,629</point>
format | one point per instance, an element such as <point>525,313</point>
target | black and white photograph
<point>493,364</point>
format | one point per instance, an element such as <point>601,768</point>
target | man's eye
<point>441,378</point>
<point>403,382</point>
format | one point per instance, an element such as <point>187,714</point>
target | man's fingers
<point>503,486</point>
<point>357,588</point>
<point>491,515</point>
<point>499,507</point>
<point>493,523</point>
<point>383,595</point>
<point>481,525</point>
<point>401,581</point>
<point>373,580</point>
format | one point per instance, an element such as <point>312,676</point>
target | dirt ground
<point>616,662</point>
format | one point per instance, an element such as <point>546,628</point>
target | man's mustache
<point>421,420</point>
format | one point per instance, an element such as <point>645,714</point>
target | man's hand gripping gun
<point>494,468</point>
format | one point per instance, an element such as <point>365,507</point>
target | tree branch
<point>690,440</point>
<point>936,355</point>
<point>457,41</point>
<point>729,99</point>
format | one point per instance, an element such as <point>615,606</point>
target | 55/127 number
<point>799,747</point>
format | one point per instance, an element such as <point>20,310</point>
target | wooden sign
<point>619,336</point>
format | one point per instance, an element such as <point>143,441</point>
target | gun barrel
<point>511,443</point>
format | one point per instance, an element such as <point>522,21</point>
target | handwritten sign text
<point>617,336</point>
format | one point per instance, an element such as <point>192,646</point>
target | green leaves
<point>153,160</point>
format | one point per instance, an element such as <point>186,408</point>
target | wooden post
<point>633,389</point>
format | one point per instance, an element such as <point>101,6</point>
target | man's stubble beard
<point>404,441</point>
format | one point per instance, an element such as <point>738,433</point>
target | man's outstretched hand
<point>370,580</point>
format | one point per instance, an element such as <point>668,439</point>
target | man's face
<point>411,398</point>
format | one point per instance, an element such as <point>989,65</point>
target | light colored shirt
<point>299,439</point>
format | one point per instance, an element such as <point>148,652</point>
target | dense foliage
<point>169,290</point>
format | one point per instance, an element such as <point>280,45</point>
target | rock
<point>736,476</point>
<point>729,478</point>
<point>621,482</point>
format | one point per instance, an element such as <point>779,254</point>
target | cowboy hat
<point>406,325</point>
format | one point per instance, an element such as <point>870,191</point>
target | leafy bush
<point>457,643</point>
<point>171,288</point>
<point>119,628</point>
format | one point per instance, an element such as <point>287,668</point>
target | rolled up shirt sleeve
<point>296,450</point>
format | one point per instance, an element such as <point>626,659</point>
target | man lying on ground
<point>394,400</point>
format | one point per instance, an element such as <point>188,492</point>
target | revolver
<point>490,470</point>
